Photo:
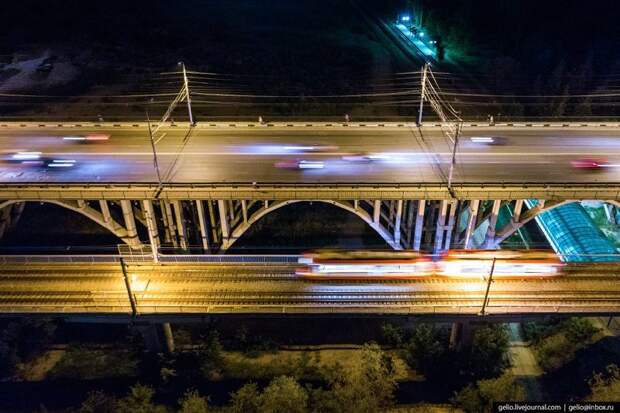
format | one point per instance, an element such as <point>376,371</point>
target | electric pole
<point>189,100</point>
<point>486,295</point>
<point>453,162</point>
<point>422,92</point>
<point>155,163</point>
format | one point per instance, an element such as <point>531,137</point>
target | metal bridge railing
<point>110,259</point>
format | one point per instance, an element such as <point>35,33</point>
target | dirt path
<point>525,368</point>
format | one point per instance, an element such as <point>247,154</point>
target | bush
<point>246,399</point>
<point>22,340</point>
<point>536,331</point>
<point>424,350</point>
<point>579,330</point>
<point>479,397</point>
<point>98,402</point>
<point>393,335</point>
<point>554,352</point>
<point>139,400</point>
<point>193,402</point>
<point>606,387</point>
<point>489,350</point>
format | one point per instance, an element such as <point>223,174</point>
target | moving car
<point>299,164</point>
<point>589,164</point>
<point>91,137</point>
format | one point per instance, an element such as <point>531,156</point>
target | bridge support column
<point>450,227</point>
<point>169,337</point>
<point>397,220</point>
<point>244,210</point>
<point>169,220</point>
<point>5,219</point>
<point>376,212</point>
<point>204,226</point>
<point>441,222</point>
<point>408,242</point>
<point>210,207</point>
<point>419,224</point>
<point>471,222</point>
<point>157,337</point>
<point>461,335</point>
<point>151,223</point>
<point>516,214</point>
<point>489,241</point>
<point>181,229</point>
<point>130,221</point>
<point>222,207</point>
<point>105,210</point>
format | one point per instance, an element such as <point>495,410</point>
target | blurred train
<point>410,264</point>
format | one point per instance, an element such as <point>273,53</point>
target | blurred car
<point>91,137</point>
<point>311,148</point>
<point>299,164</point>
<point>19,156</point>
<point>588,164</point>
<point>359,157</point>
<point>488,140</point>
<point>34,159</point>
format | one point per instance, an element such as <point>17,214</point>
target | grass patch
<point>301,364</point>
<point>555,345</point>
<point>82,363</point>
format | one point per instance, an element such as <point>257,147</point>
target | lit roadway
<point>184,290</point>
<point>243,154</point>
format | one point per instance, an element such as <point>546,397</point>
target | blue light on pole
<point>421,34</point>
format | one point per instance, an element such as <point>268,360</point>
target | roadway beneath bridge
<point>99,290</point>
<point>242,153</point>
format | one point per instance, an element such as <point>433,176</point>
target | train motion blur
<point>337,264</point>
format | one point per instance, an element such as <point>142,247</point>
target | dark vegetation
<point>118,374</point>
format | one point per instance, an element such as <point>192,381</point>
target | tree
<point>488,352</point>
<point>479,397</point>
<point>606,387</point>
<point>393,335</point>
<point>246,399</point>
<point>284,395</point>
<point>98,402</point>
<point>210,354</point>
<point>139,400</point>
<point>193,402</point>
<point>579,330</point>
<point>367,387</point>
<point>425,349</point>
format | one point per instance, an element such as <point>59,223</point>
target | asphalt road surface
<point>250,154</point>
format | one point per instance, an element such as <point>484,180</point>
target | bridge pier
<point>157,337</point>
<point>149,216</point>
<point>203,225</point>
<point>461,335</point>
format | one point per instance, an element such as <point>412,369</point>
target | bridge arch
<point>110,224</point>
<point>239,230</point>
